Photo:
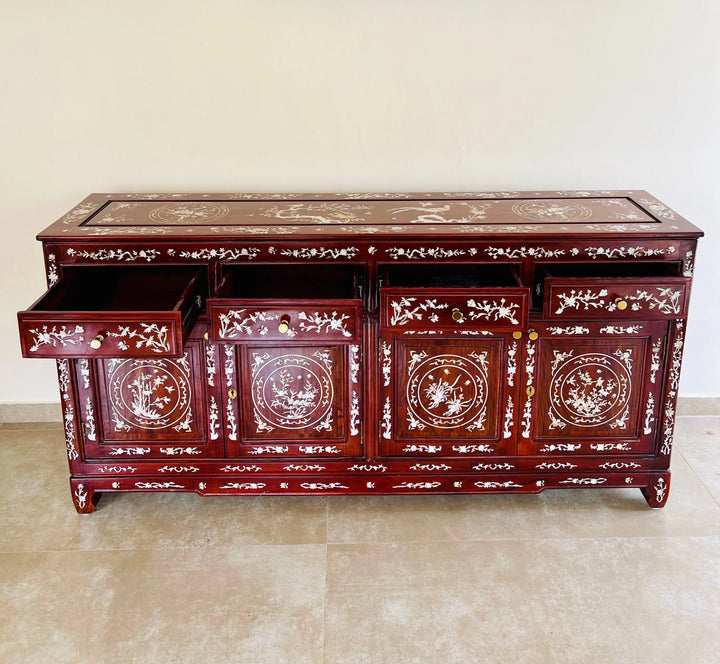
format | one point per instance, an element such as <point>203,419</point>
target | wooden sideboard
<point>366,344</point>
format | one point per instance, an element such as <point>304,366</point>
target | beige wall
<point>339,95</point>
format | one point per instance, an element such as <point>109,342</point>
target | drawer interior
<point>273,281</point>
<point>609,270</point>
<point>122,288</point>
<point>458,275</point>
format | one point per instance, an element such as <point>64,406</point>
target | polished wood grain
<point>299,344</point>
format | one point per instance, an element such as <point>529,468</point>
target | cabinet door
<point>452,396</point>
<point>298,400</point>
<point>590,388</point>
<point>145,407</point>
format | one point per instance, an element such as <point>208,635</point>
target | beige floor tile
<point>31,426</point>
<point>690,510</point>
<point>38,513</point>
<point>219,604</point>
<point>608,600</point>
<point>698,440</point>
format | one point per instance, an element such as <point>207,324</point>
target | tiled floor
<point>566,576</point>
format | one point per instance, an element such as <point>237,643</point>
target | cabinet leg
<point>84,496</point>
<point>656,493</point>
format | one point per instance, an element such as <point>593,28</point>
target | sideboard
<point>293,344</point>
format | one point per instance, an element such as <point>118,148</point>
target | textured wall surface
<point>354,96</point>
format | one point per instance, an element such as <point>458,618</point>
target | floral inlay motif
<point>571,329</point>
<point>584,480</point>
<point>237,322</point>
<point>428,252</point>
<point>158,485</point>
<point>56,336</point>
<point>665,300</point>
<point>406,310</point>
<point>320,213</point>
<point>119,451</point>
<point>323,486</point>
<point>626,252</point>
<point>497,485</point>
<point>151,394</point>
<point>129,255</point>
<point>619,329</point>
<point>430,467</point>
<point>526,419</point>
<point>429,449</point>
<point>244,486</point>
<point>151,335</point>
<point>447,391</point>
<point>493,466</point>
<point>63,368</point>
<point>432,213</point>
<point>591,389</point>
<point>494,311</point>
<point>472,449</point>
<point>220,253</point>
<point>672,384</point>
<point>513,253</point>
<point>52,271</point>
<point>323,322</point>
<point>417,485</point>
<point>321,252</point>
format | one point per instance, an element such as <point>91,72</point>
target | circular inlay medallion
<point>552,211</point>
<point>150,394</point>
<point>188,213</point>
<point>591,390</point>
<point>292,392</point>
<point>447,391</point>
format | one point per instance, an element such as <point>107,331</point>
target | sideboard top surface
<point>352,216</point>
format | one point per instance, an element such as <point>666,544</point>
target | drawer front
<point>622,298</point>
<point>431,309</point>
<point>85,335</point>
<point>242,321</point>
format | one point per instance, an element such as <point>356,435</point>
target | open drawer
<point>114,311</point>
<point>630,290</point>
<point>454,297</point>
<point>287,303</point>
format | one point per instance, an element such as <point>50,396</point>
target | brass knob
<point>232,393</point>
<point>620,304</point>
<point>517,334</point>
<point>457,315</point>
<point>284,325</point>
<point>206,336</point>
<point>97,342</point>
<point>530,391</point>
<point>533,335</point>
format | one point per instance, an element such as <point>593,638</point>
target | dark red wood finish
<point>400,343</point>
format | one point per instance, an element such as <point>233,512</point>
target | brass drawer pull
<point>97,342</point>
<point>533,335</point>
<point>284,326</point>
<point>457,315</point>
<point>621,304</point>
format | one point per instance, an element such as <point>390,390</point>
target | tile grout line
<point>700,479</point>
<point>325,594</point>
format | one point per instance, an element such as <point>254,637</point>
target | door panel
<point>592,388</point>
<point>449,396</point>
<point>298,400</point>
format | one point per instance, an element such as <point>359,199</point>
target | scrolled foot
<point>84,496</point>
<point>656,493</point>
